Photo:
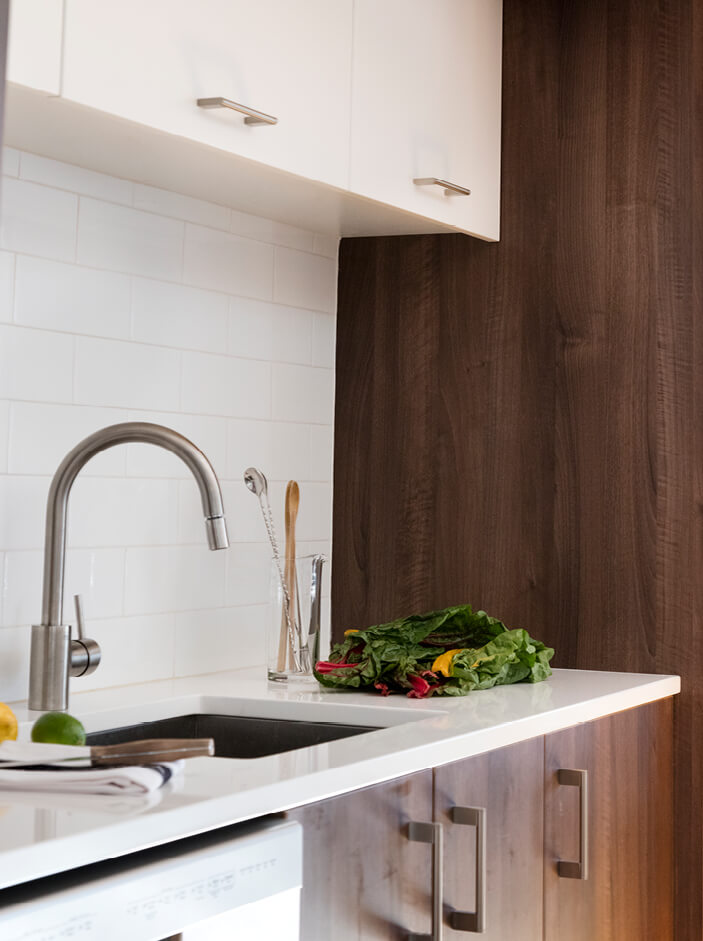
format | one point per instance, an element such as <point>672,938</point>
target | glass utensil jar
<point>294,631</point>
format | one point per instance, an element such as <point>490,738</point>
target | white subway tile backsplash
<point>41,436</point>
<point>35,365</point>
<point>38,220</point>
<point>249,444</point>
<point>134,650</point>
<point>175,315</point>
<point>291,452</point>
<point>211,640</point>
<point>174,578</point>
<point>218,385</point>
<point>305,280</point>
<point>223,262</point>
<point>22,588</point>
<point>10,161</point>
<point>119,238</point>
<point>248,574</point>
<point>22,511</point>
<point>122,511</point>
<point>96,574</point>
<point>166,203</point>
<point>122,302</point>
<point>292,335</point>
<point>7,286</point>
<point>4,434</point>
<point>57,296</point>
<point>109,372</point>
<point>321,452</point>
<point>323,340</point>
<point>65,176</point>
<point>326,245</point>
<point>250,328</point>
<point>14,662</point>
<point>303,394</point>
<point>267,230</point>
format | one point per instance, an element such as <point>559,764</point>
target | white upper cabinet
<point>368,96</point>
<point>34,44</point>
<point>150,60</point>
<point>426,96</point>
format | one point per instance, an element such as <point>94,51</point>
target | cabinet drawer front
<point>628,893</point>
<point>150,62</point>
<point>504,787</point>
<point>426,97</point>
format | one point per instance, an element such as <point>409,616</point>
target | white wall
<point>123,302</point>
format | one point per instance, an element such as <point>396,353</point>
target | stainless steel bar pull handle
<point>473,921</point>
<point>450,189</point>
<point>571,777</point>
<point>252,115</point>
<point>431,833</point>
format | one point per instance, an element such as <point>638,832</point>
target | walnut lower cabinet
<point>517,832</point>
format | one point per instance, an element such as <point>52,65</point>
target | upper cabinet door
<point>426,97</point>
<point>34,44</point>
<point>150,61</point>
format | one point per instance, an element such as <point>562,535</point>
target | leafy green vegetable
<point>448,652</point>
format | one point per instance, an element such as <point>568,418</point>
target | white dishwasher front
<point>243,881</point>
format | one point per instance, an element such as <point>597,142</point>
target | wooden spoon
<point>288,630</point>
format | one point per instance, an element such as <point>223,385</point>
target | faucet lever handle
<point>85,653</point>
<point>80,619</point>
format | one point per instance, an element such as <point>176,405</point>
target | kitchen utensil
<point>255,481</point>
<point>313,643</point>
<point>290,619</point>
<point>148,751</point>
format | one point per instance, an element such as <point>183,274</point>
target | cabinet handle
<point>252,115</point>
<point>431,833</point>
<point>450,189</point>
<point>473,921</point>
<point>570,777</point>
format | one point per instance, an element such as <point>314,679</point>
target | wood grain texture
<point>519,425</point>
<point>363,880</point>
<point>508,784</point>
<point>628,895</point>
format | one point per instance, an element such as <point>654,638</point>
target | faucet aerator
<point>216,527</point>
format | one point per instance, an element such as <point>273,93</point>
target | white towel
<point>78,777</point>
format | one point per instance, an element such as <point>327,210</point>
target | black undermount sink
<point>235,736</point>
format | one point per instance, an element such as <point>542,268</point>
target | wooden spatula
<point>288,630</point>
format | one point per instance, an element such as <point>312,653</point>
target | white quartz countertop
<point>41,834</point>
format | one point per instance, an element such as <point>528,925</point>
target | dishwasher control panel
<point>168,891</point>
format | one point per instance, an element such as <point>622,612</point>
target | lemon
<point>59,728</point>
<point>8,723</point>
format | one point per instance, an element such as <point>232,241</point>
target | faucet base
<point>49,667</point>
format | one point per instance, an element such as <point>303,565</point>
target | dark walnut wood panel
<point>508,784</point>
<point>628,895</point>
<point>363,880</point>
<point>519,424</point>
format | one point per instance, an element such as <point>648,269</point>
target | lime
<point>58,728</point>
<point>8,723</point>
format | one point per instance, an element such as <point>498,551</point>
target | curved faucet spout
<point>70,467</point>
<point>48,660</point>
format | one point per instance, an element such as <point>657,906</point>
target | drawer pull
<point>431,833</point>
<point>569,777</point>
<point>450,189</point>
<point>252,115</point>
<point>473,921</point>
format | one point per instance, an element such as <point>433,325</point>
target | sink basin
<point>235,736</point>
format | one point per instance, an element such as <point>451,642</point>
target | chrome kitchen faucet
<point>55,654</point>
